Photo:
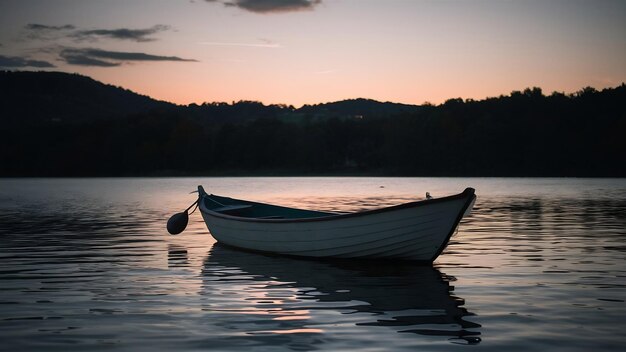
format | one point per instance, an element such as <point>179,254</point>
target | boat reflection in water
<point>283,296</point>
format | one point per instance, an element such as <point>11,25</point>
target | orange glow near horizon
<point>192,90</point>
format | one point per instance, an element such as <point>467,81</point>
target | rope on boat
<point>194,203</point>
<point>194,209</point>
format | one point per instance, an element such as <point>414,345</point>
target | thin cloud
<point>325,72</point>
<point>21,62</point>
<point>270,6</point>
<point>104,58</point>
<point>131,56</point>
<point>37,31</point>
<point>75,57</point>
<point>43,27</point>
<point>249,45</point>
<point>138,35</point>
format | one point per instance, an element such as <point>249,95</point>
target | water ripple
<point>88,265</point>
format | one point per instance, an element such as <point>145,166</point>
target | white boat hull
<point>416,231</point>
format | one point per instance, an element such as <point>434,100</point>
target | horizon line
<point>425,103</point>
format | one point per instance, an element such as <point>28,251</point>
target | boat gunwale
<point>467,193</point>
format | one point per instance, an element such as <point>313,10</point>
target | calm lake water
<point>86,264</point>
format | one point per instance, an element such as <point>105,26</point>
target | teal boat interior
<point>253,210</point>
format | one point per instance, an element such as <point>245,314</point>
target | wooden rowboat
<point>416,231</point>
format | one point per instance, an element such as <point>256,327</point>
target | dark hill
<point>243,111</point>
<point>359,107</point>
<point>36,98</point>
<point>52,97</point>
<point>67,128</point>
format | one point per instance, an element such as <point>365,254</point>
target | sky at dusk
<point>311,51</point>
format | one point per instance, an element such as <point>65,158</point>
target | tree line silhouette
<point>525,133</point>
